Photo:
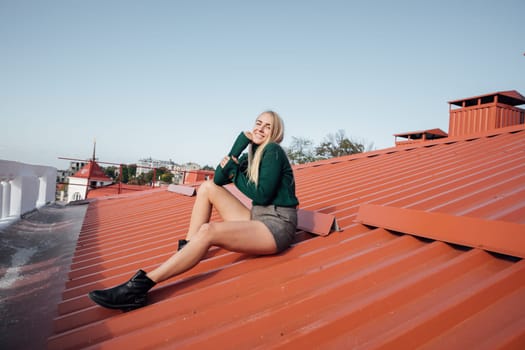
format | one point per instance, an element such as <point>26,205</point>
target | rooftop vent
<point>485,113</point>
<point>419,136</point>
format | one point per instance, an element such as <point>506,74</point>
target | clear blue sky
<point>180,79</point>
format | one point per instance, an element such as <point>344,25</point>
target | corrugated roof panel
<point>116,189</point>
<point>411,308</point>
<point>427,178</point>
<point>363,287</point>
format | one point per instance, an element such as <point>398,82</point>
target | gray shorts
<point>281,221</point>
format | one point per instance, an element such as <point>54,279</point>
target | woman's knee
<point>207,188</point>
<point>204,232</point>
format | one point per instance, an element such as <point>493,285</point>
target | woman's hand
<point>225,160</point>
<point>249,135</point>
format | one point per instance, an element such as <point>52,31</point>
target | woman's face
<point>262,129</point>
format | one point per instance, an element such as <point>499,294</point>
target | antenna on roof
<point>94,147</point>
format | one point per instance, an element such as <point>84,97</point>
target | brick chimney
<point>485,113</point>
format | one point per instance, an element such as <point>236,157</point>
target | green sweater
<point>276,181</point>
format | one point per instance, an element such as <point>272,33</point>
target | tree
<point>337,145</point>
<point>164,174</point>
<point>167,178</point>
<point>138,180</point>
<point>132,170</point>
<point>300,151</point>
<point>125,174</point>
<point>148,177</point>
<point>129,172</point>
<point>110,171</point>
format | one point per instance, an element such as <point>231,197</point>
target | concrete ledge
<point>24,187</point>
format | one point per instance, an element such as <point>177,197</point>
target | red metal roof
<point>513,97</point>
<point>436,132</point>
<point>409,271</point>
<point>419,136</point>
<point>92,171</point>
<point>116,189</point>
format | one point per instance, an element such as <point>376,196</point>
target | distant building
<point>145,165</point>
<point>191,166</point>
<point>194,176</point>
<point>90,176</point>
<point>74,166</point>
<point>180,172</point>
<point>62,176</point>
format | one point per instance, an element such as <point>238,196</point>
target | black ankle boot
<point>127,296</point>
<point>182,243</point>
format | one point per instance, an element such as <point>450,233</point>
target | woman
<point>265,176</point>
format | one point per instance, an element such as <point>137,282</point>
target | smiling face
<point>262,129</point>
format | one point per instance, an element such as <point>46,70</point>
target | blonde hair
<point>276,135</point>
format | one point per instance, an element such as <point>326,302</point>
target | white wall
<point>76,189</point>
<point>24,187</point>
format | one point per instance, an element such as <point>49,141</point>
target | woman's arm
<point>241,142</point>
<point>225,170</point>
<point>270,173</point>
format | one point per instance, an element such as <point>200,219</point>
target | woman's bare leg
<point>236,233</point>
<point>251,237</point>
<point>241,235</point>
<point>210,195</point>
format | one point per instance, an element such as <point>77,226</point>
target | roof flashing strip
<point>316,222</point>
<point>496,236</point>
<point>180,189</point>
